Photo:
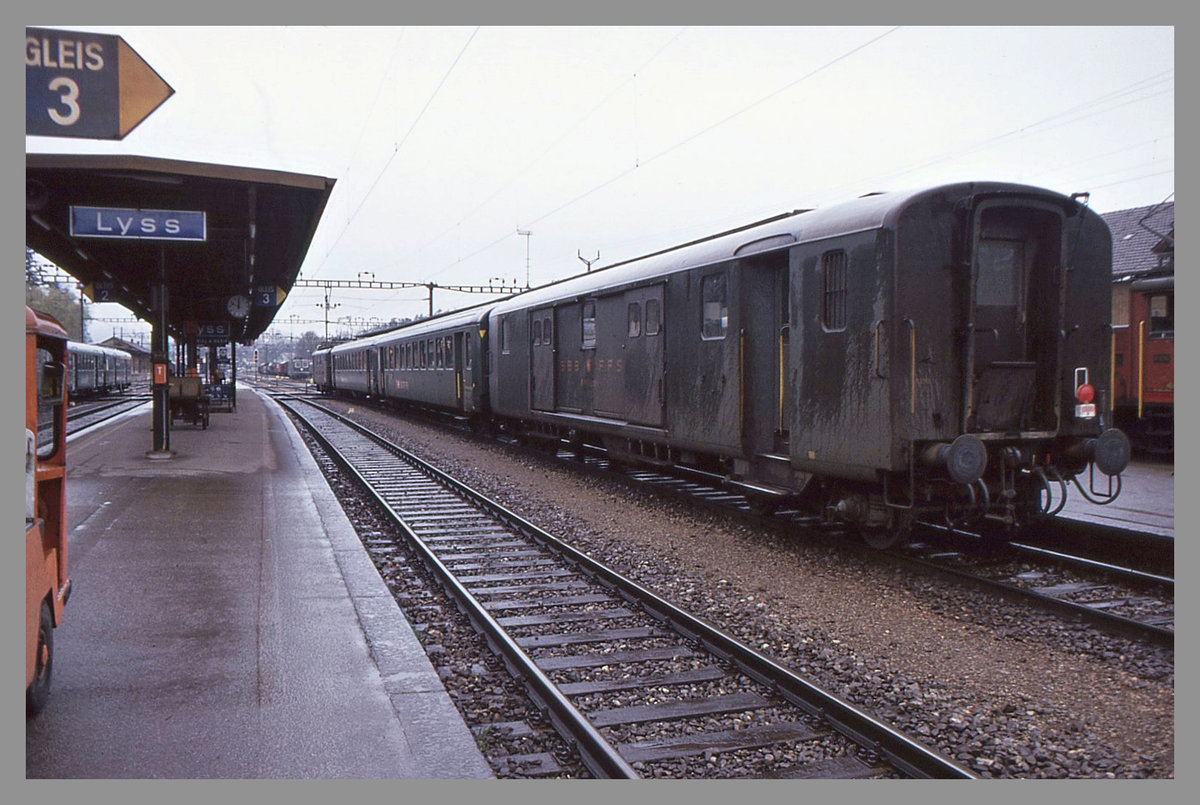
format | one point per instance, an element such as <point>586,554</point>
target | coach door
<point>373,384</point>
<point>763,349</point>
<point>456,360</point>
<point>644,335</point>
<point>541,328</point>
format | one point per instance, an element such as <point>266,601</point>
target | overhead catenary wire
<point>707,129</point>
<point>400,144</point>
<point>1135,92</point>
<point>567,132</point>
<point>1082,111</point>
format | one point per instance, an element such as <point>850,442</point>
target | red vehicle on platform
<point>47,586</point>
<point>1144,325</point>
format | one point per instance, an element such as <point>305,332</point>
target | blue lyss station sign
<point>113,222</point>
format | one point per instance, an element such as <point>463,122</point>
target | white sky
<point>445,141</point>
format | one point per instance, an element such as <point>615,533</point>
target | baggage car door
<point>574,339</point>
<point>644,353</point>
<point>542,351</point>
<point>607,373</point>
<point>765,296</point>
<point>1016,316</point>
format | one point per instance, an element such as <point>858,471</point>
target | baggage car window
<point>467,351</point>
<point>999,281</point>
<point>833,296</point>
<point>715,321</point>
<point>537,332</point>
<point>504,335</point>
<point>635,319</point>
<point>653,317</point>
<point>589,326</point>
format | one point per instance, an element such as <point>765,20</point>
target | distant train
<point>93,369</point>
<point>296,368</point>
<point>299,368</point>
<point>940,354</point>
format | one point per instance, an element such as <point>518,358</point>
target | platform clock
<point>238,306</point>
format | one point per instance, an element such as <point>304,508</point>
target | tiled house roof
<point>119,343</point>
<point>1139,245</point>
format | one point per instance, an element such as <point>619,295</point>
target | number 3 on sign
<point>69,95</point>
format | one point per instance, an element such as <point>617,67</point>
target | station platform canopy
<point>232,268</point>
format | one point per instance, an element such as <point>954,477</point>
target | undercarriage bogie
<point>991,488</point>
<point>867,515</point>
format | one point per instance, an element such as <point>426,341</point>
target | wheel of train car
<point>38,692</point>
<point>881,538</point>
<point>886,537</point>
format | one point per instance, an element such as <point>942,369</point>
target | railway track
<point>633,682</point>
<point>1118,600</point>
<point>86,415</point>
<point>1066,569</point>
<point>1058,573</point>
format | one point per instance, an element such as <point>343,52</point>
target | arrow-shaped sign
<point>81,84</point>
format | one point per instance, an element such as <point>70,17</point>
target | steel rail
<point>81,422</point>
<point>601,758</point>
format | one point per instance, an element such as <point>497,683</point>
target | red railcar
<point>1143,362</point>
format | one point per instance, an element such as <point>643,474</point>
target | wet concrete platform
<point>1146,501</point>
<point>226,622</point>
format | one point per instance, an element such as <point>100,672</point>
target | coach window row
<point>354,360</point>
<point>431,353</point>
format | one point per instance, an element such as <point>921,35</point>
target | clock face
<point>238,306</point>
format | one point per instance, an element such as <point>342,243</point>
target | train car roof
<point>866,213</point>
<point>805,226</point>
<point>453,320</point>
<point>355,343</point>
